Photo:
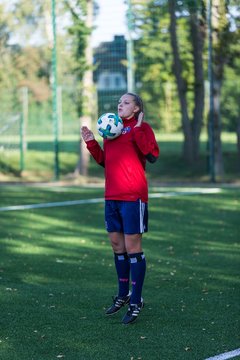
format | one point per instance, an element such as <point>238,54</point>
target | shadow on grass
<point>39,162</point>
<point>57,276</point>
<point>64,146</point>
<point>6,168</point>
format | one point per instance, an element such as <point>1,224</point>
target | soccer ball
<point>109,126</point>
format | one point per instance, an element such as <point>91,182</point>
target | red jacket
<point>124,160</point>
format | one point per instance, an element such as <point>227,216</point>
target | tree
<point>161,26</point>
<point>224,35</point>
<point>80,30</point>
<point>191,127</point>
<point>183,25</point>
<point>222,38</point>
<point>153,57</point>
<point>219,31</point>
<point>24,63</point>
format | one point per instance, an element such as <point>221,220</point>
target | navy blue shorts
<point>128,217</point>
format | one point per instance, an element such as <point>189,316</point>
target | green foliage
<point>24,64</point>
<point>25,60</point>
<point>154,75</point>
<point>231,88</point>
<point>230,97</point>
<point>27,63</point>
<point>155,64</point>
<point>153,56</point>
<point>79,32</point>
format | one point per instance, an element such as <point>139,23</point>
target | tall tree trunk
<point>197,34</point>
<point>181,86</point>
<point>217,129</point>
<point>220,27</point>
<point>238,139</point>
<point>88,98</point>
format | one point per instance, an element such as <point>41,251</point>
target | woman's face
<point>127,107</point>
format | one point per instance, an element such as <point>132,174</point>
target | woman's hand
<point>140,119</point>
<point>87,134</point>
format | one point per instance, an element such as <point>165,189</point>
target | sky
<point>110,20</point>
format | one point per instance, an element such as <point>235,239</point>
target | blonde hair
<point>138,101</point>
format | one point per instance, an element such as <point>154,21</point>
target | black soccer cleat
<point>132,313</point>
<point>118,303</point>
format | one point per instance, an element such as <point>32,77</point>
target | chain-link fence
<point>139,58</point>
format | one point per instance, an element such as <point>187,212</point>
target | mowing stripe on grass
<point>227,355</point>
<point>99,200</point>
<point>197,191</point>
<point>51,204</point>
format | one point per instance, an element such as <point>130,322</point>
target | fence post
<point>130,56</point>
<point>210,79</point>
<point>22,126</point>
<point>54,93</point>
<point>24,90</point>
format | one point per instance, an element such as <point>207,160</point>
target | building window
<point>106,82</point>
<point>111,81</point>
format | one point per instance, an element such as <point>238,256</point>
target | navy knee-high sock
<point>123,272</point>
<point>138,270</point>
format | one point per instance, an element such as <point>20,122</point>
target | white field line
<point>100,200</point>
<point>227,355</point>
<point>51,204</point>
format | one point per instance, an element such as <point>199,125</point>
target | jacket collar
<point>129,121</point>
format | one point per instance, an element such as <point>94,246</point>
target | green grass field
<point>39,160</point>
<point>57,277</point>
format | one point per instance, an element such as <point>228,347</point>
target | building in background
<point>110,72</point>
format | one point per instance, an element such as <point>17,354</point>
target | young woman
<point>126,198</point>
